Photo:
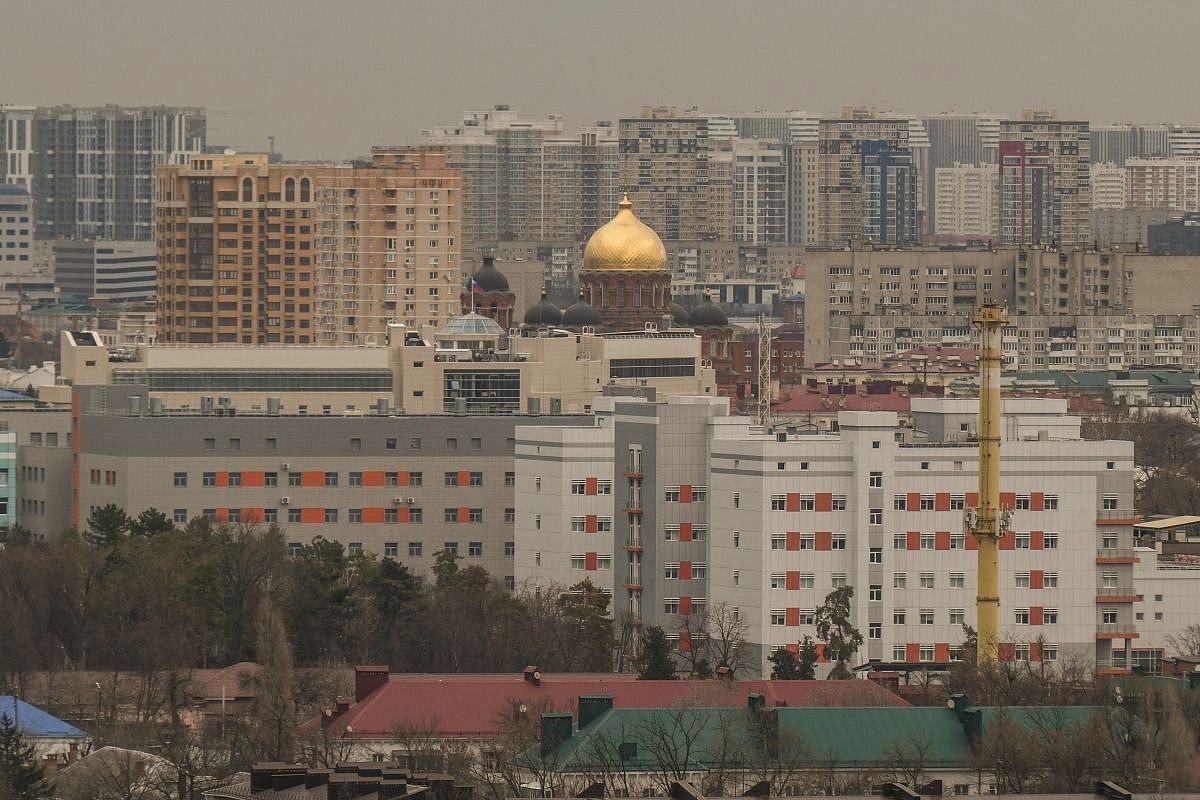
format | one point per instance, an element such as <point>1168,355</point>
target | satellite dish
<point>229,151</point>
<point>524,709</point>
<point>1118,696</point>
<point>950,704</point>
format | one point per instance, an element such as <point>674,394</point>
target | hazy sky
<point>330,78</point>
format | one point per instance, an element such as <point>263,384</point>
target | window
<point>957,502</point>
<point>1021,616</point>
<point>450,515</point>
<point>876,593</point>
<point>876,556</point>
<point>270,479</point>
<point>475,549</point>
<point>926,616</point>
<point>578,487</point>
<point>416,515</point>
<point>928,541</point>
<point>1050,580</point>
<point>927,502</point>
<point>898,653</point>
<point>354,479</point>
<point>1049,652</point>
<point>1022,541</point>
<point>209,444</point>
<point>778,617</point>
<point>876,517</point>
<point>355,515</point>
<point>510,479</point>
<point>875,480</point>
<point>475,479</point>
<point>839,502</point>
<point>293,515</point>
<point>208,479</point>
<point>837,580</point>
<point>779,541</point>
<point>414,548</point>
<point>331,515</point>
<point>450,547</point>
<point>1108,580</point>
<point>510,549</point>
<point>737,499</point>
<point>414,443</point>
<point>354,549</point>
<point>778,579</point>
<point>837,542</point>
<point>899,502</point>
<point>1110,541</point>
<point>331,479</point>
<point>416,479</point>
<point>671,494</point>
<point>875,630</point>
<point>1049,616</point>
<point>180,517</point>
<point>391,516</point>
<point>926,580</point>
<point>808,502</point>
<point>671,533</point>
<point>1109,502</point>
<point>180,479</point>
<point>900,617</point>
<point>1021,580</point>
<point>778,502</point>
<point>699,570</point>
<point>900,580</point>
<point>1050,541</point>
<point>1023,502</point>
<point>1050,502</point>
<point>475,515</point>
<point>510,516</point>
<point>926,652</point>
<point>958,541</point>
<point>699,494</point>
<point>958,616</point>
<point>450,479</point>
<point>899,541</point>
<point>1109,616</point>
<point>389,443</point>
<point>808,580</point>
<point>808,541</point>
<point>737,577</point>
<point>958,580</point>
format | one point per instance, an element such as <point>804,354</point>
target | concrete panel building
<point>707,513</point>
<point>16,230</point>
<point>1045,189</point>
<point>967,201</point>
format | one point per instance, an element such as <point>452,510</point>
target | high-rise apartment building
<point>1184,141</point>
<point>967,197</point>
<point>1116,144</point>
<point>104,270</point>
<point>579,187</point>
<point>237,251</point>
<point>1108,186</point>
<point>760,191</point>
<point>666,168</point>
<point>91,170</point>
<point>1045,191</point>
<point>847,209</point>
<point>1165,183</point>
<point>890,193</point>
<point>387,244</point>
<point>957,139</point>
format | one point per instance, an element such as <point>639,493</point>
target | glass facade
<point>253,380</point>
<point>484,391</point>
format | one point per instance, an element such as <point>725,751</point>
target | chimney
<point>725,673</point>
<point>367,680</point>
<point>556,729</point>
<point>592,706</point>
<point>756,702</point>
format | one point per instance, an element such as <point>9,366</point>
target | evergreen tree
<point>835,629</point>
<point>807,660</point>
<point>584,608</point>
<point>107,525</point>
<point>276,701</point>
<point>656,663</point>
<point>21,777</point>
<point>784,665</point>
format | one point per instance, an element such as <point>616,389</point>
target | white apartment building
<point>706,510</point>
<point>16,229</point>
<point>1108,186</point>
<point>967,201</point>
<point>760,191</point>
<point>1167,183</point>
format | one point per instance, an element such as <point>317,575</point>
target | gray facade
<point>404,487</point>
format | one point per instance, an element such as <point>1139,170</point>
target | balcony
<point>635,511</point>
<point>1117,517</point>
<point>1116,594</point>
<point>1117,555</point>
<point>1116,630</point>
<point>633,545</point>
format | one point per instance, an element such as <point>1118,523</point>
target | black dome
<point>489,278</point>
<point>543,313</point>
<point>708,315</point>
<point>581,314</point>
<point>679,314</point>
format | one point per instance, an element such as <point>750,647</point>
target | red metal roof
<point>469,706</point>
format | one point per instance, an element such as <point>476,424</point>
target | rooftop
<point>35,723</point>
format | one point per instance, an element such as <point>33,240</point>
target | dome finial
<point>625,203</point>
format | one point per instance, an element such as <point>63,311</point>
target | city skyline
<point>316,76</point>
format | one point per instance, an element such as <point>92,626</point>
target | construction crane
<point>762,415</point>
<point>988,521</point>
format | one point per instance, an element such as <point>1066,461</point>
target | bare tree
<point>909,759</point>
<point>672,737</point>
<point>1187,641</point>
<point>727,638</point>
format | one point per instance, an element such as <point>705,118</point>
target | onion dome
<point>543,313</point>
<point>708,315</point>
<point>679,314</point>
<point>581,314</point>
<point>625,244</point>
<point>490,279</point>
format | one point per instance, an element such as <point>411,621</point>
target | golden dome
<point>625,244</point>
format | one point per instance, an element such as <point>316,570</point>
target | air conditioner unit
<point>285,466</point>
<point>283,501</point>
<point>410,500</point>
<point>398,501</point>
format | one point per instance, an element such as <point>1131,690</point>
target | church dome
<point>679,314</point>
<point>625,244</point>
<point>581,314</point>
<point>708,315</point>
<point>543,313</point>
<point>490,279</point>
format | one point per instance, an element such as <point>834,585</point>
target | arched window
<point>305,190</point>
<point>247,190</point>
<point>289,190</point>
<point>621,294</point>
<point>637,297</point>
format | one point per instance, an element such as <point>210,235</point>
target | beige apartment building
<point>669,170</point>
<point>840,181</point>
<point>844,288</point>
<point>387,244</point>
<point>236,242</point>
<point>257,253</point>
